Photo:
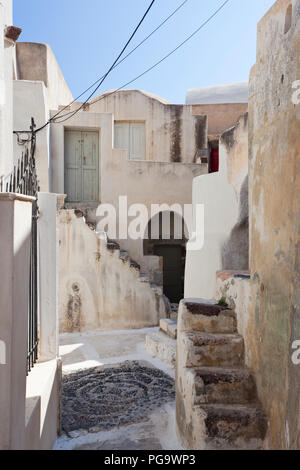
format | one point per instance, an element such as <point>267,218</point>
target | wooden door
<point>82,166</point>
<point>172,271</point>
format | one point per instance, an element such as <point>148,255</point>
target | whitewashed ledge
<point>16,197</point>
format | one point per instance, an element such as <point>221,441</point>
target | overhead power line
<point>71,113</point>
<point>124,58</point>
<point>113,65</point>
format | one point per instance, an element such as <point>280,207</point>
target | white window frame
<point>128,138</point>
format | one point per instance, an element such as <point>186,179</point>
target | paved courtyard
<point>115,395</point>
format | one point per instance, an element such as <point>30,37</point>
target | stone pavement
<point>115,395</point>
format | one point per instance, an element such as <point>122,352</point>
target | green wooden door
<point>82,166</point>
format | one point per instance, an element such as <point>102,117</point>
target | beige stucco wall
<point>30,100</point>
<point>220,116</point>
<point>173,134</point>
<point>118,176</point>
<point>274,123</point>
<point>147,183</point>
<point>224,197</point>
<point>39,87</point>
<point>15,216</point>
<point>42,405</point>
<point>238,290</point>
<point>268,305</point>
<point>36,62</point>
<point>98,289</point>
<point>6,105</point>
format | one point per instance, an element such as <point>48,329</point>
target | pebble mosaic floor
<point>106,397</point>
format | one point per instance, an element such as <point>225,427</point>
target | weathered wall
<point>43,396</point>
<point>30,100</point>
<point>140,181</point>
<point>6,96</point>
<point>236,287</point>
<point>235,251</point>
<point>274,123</point>
<point>173,134</point>
<point>39,87</point>
<point>36,62</point>
<point>118,176</point>
<point>224,196</point>
<point>220,116</point>
<point>98,288</point>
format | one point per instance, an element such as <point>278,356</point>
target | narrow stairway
<point>216,398</point>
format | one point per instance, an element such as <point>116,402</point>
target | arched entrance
<point>166,237</point>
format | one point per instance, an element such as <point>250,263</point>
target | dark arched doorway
<point>166,237</point>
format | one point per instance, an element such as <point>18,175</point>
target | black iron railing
<point>23,180</point>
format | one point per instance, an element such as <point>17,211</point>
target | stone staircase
<point>128,298</point>
<point>124,256</point>
<point>216,398</point>
<point>162,344</point>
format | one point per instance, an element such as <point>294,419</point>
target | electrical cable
<point>113,65</point>
<point>105,95</point>
<point>124,58</point>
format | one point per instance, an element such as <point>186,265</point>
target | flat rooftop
<point>218,94</point>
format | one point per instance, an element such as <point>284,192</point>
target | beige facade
<point>235,347</point>
<point>38,87</point>
<point>6,96</point>
<point>100,287</point>
<point>29,404</point>
<point>274,230</point>
<point>222,104</point>
<point>36,62</point>
<point>220,117</point>
<point>172,133</point>
<point>266,300</point>
<point>224,197</point>
<point>136,179</point>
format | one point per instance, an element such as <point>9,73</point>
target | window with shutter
<point>131,136</point>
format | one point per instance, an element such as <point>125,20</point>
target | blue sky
<point>87,36</point>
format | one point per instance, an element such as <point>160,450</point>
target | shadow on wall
<point>235,252</point>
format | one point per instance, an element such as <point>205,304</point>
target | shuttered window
<point>131,136</point>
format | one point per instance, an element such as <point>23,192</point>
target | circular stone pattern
<point>102,398</point>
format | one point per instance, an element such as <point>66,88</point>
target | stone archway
<point>166,237</point>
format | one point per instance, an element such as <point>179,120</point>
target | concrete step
<point>211,350</point>
<point>206,316</point>
<point>134,265</point>
<point>213,385</point>
<point>144,278</point>
<point>169,327</point>
<point>174,311</point>
<point>112,246</point>
<point>157,289</point>
<point>163,347</point>
<point>124,256</point>
<point>233,426</point>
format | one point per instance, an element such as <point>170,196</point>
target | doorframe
<point>84,129</point>
<point>182,246</point>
